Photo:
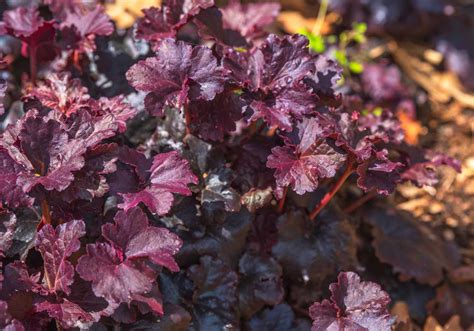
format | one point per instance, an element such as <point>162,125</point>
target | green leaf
<point>377,111</point>
<point>360,27</point>
<point>356,67</point>
<point>341,57</point>
<point>316,42</point>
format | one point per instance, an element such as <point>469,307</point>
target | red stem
<point>46,213</point>
<point>281,203</point>
<point>325,200</point>
<point>187,118</point>
<point>33,65</point>
<point>359,202</point>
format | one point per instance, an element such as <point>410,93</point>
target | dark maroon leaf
<point>169,174</point>
<point>260,284</point>
<point>117,268</point>
<point>324,248</point>
<point>211,120</point>
<point>178,72</point>
<point>412,249</point>
<point>380,174</point>
<point>215,296</point>
<point>90,181</point>
<point>355,305</point>
<point>278,318</point>
<point>56,246</point>
<point>301,164</point>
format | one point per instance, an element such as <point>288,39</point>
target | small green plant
<point>337,45</point>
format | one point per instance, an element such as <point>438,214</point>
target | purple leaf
<point>93,21</point>
<point>164,22</point>
<point>10,193</point>
<point>304,163</point>
<point>60,92</point>
<point>43,151</point>
<point>178,72</point>
<point>169,174</point>
<point>23,21</point>
<point>3,91</point>
<point>249,19</point>
<point>211,120</point>
<point>117,268</point>
<point>272,76</point>
<point>68,313</point>
<point>355,305</point>
<point>56,246</point>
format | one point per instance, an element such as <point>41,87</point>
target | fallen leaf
<point>125,12</point>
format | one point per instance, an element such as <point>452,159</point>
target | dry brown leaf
<point>441,86</point>
<point>125,12</point>
<point>293,22</point>
<point>454,324</point>
<point>403,320</point>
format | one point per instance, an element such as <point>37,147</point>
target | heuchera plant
<point>169,224</point>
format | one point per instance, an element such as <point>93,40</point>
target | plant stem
<point>281,203</point>
<point>325,200</point>
<point>359,202</point>
<point>46,213</point>
<point>33,65</point>
<point>323,8</point>
<point>187,118</point>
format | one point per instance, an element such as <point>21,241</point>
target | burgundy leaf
<point>26,24</point>
<point>412,249</point>
<point>3,91</point>
<point>422,164</point>
<point>93,21</point>
<point>178,72</point>
<point>43,151</point>
<point>211,120</point>
<point>117,268</point>
<point>68,313</point>
<point>164,22</point>
<point>214,299</point>
<point>273,75</point>
<point>23,21</point>
<point>355,305</point>
<point>169,174</point>
<point>249,19</point>
<point>304,164</point>
<point>10,193</point>
<point>56,246</point>
<point>60,92</point>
